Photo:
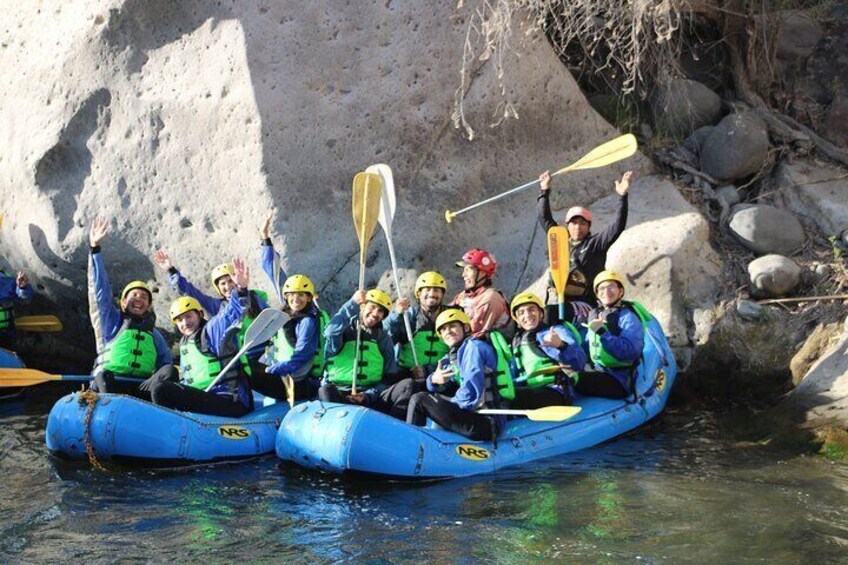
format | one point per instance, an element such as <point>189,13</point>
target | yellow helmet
<point>298,283</point>
<point>379,298</point>
<point>430,279</point>
<point>222,270</point>
<point>525,298</point>
<point>604,276</point>
<point>137,284</point>
<point>182,305</point>
<point>452,315</point>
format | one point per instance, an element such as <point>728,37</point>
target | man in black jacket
<point>588,250</point>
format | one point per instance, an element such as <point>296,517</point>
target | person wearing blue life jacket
<point>614,340</point>
<point>462,384</point>
<point>545,356</point>
<point>375,362</point>
<point>295,356</point>
<point>206,347</point>
<point>13,290</point>
<point>223,283</point>
<point>128,344</point>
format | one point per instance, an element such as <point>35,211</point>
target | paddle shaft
<point>499,196</point>
<point>406,324</point>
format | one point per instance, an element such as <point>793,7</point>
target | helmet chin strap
<point>478,282</point>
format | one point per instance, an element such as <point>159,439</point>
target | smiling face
<point>469,277</point>
<point>578,228</point>
<point>452,333</point>
<point>528,316</point>
<point>136,302</point>
<point>609,292</point>
<point>225,286</point>
<point>297,301</point>
<point>430,297</point>
<point>188,322</point>
<point>372,314</point>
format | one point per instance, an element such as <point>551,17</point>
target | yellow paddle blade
<point>610,152</point>
<point>25,377</point>
<point>42,323</point>
<point>367,191</point>
<point>553,413</point>
<point>558,258</point>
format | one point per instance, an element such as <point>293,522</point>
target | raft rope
<point>90,397</point>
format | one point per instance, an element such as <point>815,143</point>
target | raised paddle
<point>546,414</point>
<point>263,328</point>
<point>16,377</point>
<point>610,152</point>
<point>559,261</point>
<point>367,192</point>
<point>41,323</point>
<point>388,203</point>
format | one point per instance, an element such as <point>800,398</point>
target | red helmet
<point>578,211</point>
<point>481,260</point>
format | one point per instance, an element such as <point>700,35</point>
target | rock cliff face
<point>188,121</point>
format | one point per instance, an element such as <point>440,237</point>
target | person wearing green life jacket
<point>128,344</point>
<point>430,289</point>
<point>376,365</point>
<point>463,383</point>
<point>13,290</point>
<point>297,351</point>
<point>205,348</point>
<point>614,340</point>
<point>545,356</point>
<point>221,278</point>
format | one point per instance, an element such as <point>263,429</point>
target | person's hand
<point>441,376</point>
<point>552,339</point>
<point>402,304</point>
<point>545,179</point>
<point>622,187</point>
<point>99,230</point>
<point>358,297</point>
<point>275,368</point>
<point>22,279</point>
<point>595,325</point>
<point>356,398</point>
<point>265,230</point>
<point>161,258</point>
<point>242,273</point>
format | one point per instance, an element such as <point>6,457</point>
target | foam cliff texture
<point>188,121</point>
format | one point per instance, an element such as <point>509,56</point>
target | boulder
<point>766,229</point>
<point>736,148</point>
<point>684,105</point>
<point>188,122</point>
<point>836,121</point>
<point>798,36</point>
<point>815,192</point>
<point>773,275</point>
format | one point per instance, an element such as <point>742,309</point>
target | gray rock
<point>683,106</point>
<point>823,270</point>
<point>749,310</point>
<point>798,36</point>
<point>836,121</point>
<point>736,148</point>
<point>728,194</point>
<point>765,229</point>
<point>773,275</point>
<point>695,142</point>
<point>815,192</point>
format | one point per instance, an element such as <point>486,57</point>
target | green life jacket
<point>428,346</point>
<point>604,358</point>
<point>132,352</point>
<point>285,340</point>
<point>247,321</point>
<point>339,368</point>
<point>531,358</point>
<point>7,317</point>
<point>199,367</point>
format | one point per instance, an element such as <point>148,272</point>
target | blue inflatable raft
<point>10,360</point>
<point>131,431</point>
<point>343,438</point>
